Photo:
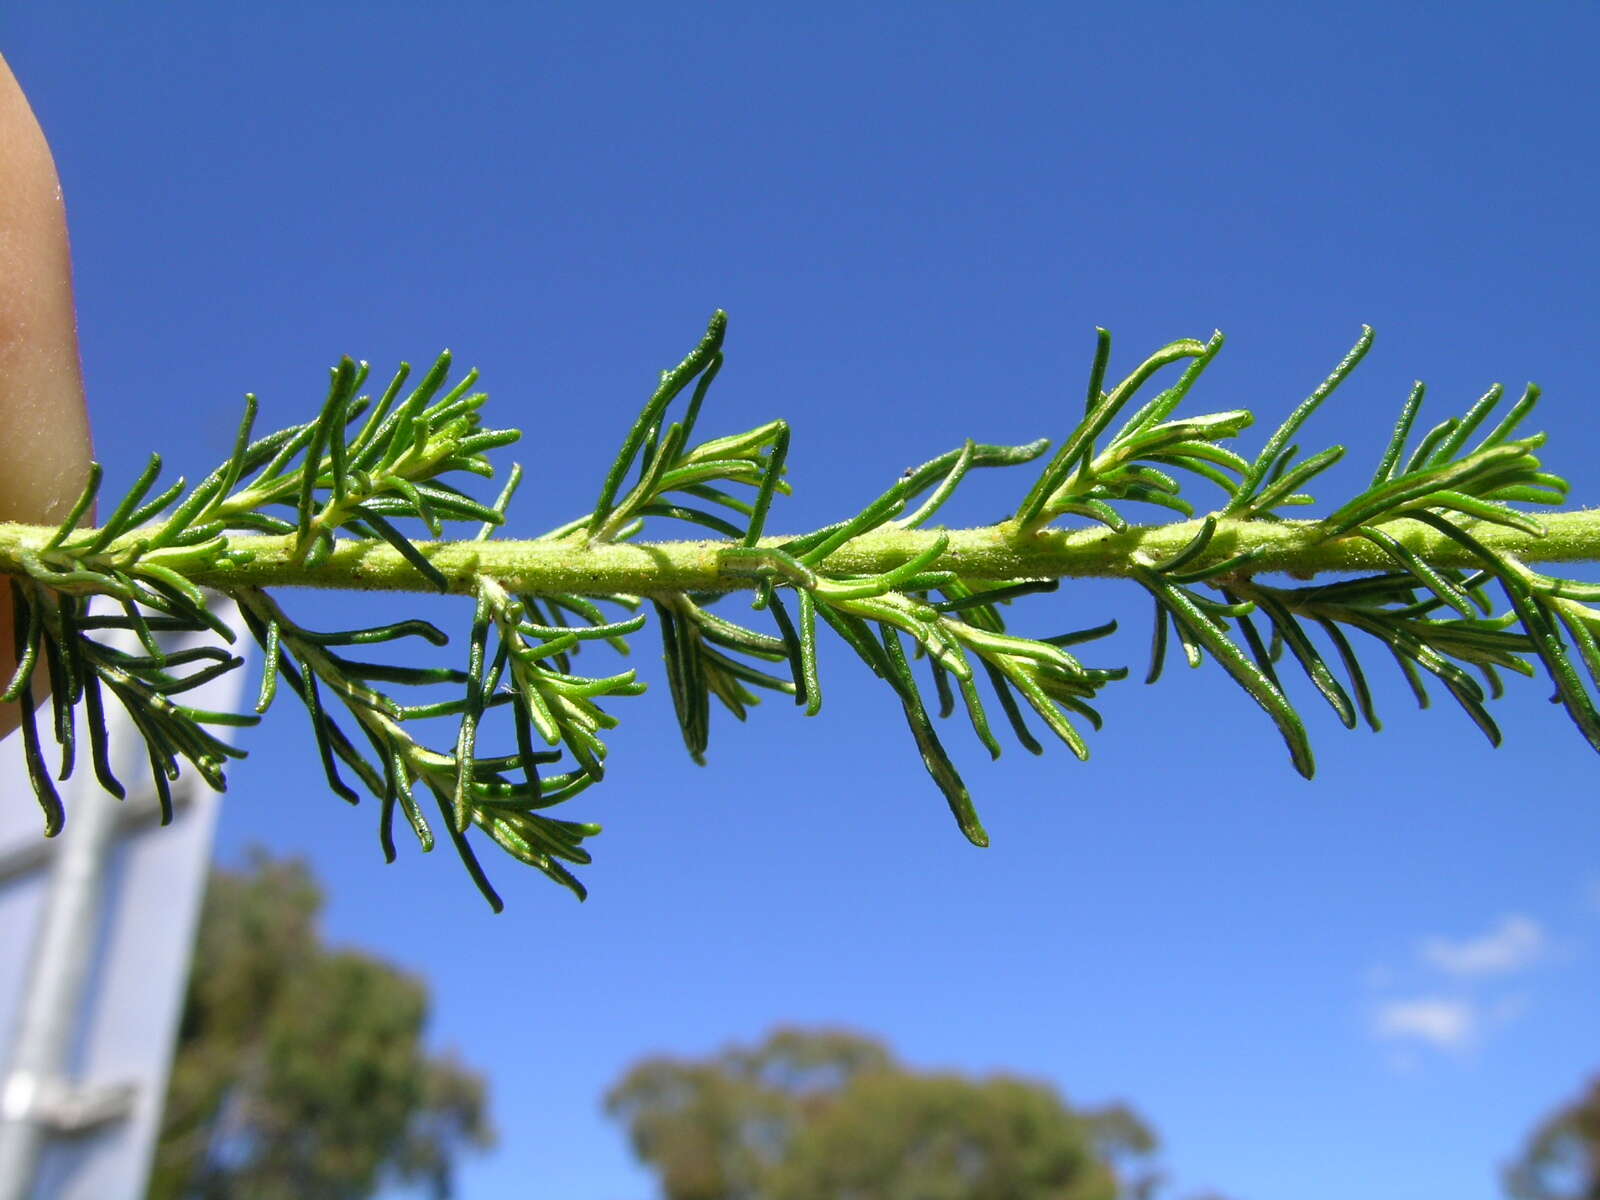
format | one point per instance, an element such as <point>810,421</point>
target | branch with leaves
<point>1433,559</point>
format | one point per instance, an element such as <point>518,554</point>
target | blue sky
<point>1373,984</point>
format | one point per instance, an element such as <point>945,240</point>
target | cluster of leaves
<point>830,1113</point>
<point>369,469</point>
<point>1435,621</point>
<point>300,1068</point>
<point>1561,1160</point>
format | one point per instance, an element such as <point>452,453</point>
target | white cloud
<point>1447,1024</point>
<point>1515,943</point>
<point>1457,994</point>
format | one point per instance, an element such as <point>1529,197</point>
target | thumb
<point>44,428</point>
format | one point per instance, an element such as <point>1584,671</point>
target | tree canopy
<point>1562,1158</point>
<point>300,1071</point>
<point>807,1114</point>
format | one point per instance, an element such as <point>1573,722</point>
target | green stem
<point>992,554</point>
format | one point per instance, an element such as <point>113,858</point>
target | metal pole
<point>74,1063</point>
<point>36,1080</point>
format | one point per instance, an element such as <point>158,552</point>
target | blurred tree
<point>300,1071</point>
<point>812,1114</point>
<point>1562,1159</point>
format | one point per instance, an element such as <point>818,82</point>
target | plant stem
<point>993,554</point>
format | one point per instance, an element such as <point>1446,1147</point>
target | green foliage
<point>1443,527</point>
<point>1562,1158</point>
<point>809,1114</point>
<point>300,1071</point>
